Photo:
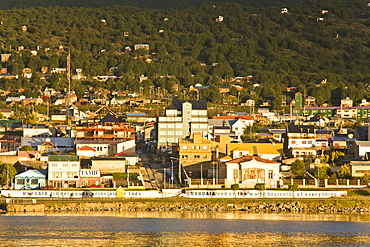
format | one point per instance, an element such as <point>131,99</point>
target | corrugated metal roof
<point>63,158</point>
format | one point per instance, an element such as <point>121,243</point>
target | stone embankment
<point>252,207</point>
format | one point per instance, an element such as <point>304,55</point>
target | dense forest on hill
<point>153,4</point>
<point>188,46</point>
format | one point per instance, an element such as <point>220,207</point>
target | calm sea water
<point>190,229</point>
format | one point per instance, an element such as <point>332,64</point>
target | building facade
<point>181,119</point>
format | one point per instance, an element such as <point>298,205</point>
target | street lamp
<point>128,178</point>
<point>164,178</point>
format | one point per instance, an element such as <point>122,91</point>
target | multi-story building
<point>108,128</point>
<point>181,119</point>
<point>305,141</point>
<point>300,140</point>
<point>63,171</point>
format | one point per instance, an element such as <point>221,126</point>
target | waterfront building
<point>30,179</point>
<point>63,171</point>
<point>249,170</point>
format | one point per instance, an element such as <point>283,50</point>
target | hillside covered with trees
<point>188,46</point>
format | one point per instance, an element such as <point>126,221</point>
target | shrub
<point>260,186</point>
<point>235,186</point>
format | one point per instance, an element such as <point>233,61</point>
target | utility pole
<point>7,174</point>
<point>69,89</point>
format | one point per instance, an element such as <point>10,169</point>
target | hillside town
<point>182,144</point>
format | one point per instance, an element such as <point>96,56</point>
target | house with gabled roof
<point>30,179</point>
<point>86,151</point>
<point>249,170</point>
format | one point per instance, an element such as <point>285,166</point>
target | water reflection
<point>356,217</point>
<point>183,228</point>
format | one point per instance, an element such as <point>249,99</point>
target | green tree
<point>336,156</point>
<point>298,167</point>
<point>322,172</point>
<point>344,172</point>
<point>365,179</point>
<point>7,173</point>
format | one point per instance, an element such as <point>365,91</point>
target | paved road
<point>155,171</point>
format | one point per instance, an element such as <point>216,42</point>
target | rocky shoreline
<point>253,207</point>
<point>249,206</point>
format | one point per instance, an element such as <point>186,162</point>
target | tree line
<point>188,46</point>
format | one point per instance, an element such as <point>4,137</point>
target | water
<point>184,228</point>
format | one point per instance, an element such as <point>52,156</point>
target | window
<point>293,142</point>
<point>236,174</point>
<point>196,156</point>
<point>184,147</point>
<point>20,181</point>
<point>34,181</point>
<point>65,165</point>
<point>54,165</point>
<point>204,156</point>
<point>56,175</point>
<point>185,157</point>
<point>304,142</point>
<point>271,174</point>
<point>309,142</point>
<point>205,147</point>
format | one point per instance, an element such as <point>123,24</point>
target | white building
<point>181,119</point>
<point>63,171</point>
<point>104,147</point>
<point>249,170</point>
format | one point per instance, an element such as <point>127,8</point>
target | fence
<point>206,183</point>
<point>325,183</point>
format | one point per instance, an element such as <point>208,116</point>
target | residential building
<point>359,168</point>
<point>347,102</point>
<point>269,150</point>
<point>92,148</point>
<point>58,143</point>
<point>195,150</point>
<point>360,148</point>
<point>108,128</point>
<point>300,141</point>
<point>310,101</point>
<point>181,119</point>
<point>10,134</point>
<point>30,179</point>
<point>108,165</point>
<point>249,170</point>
